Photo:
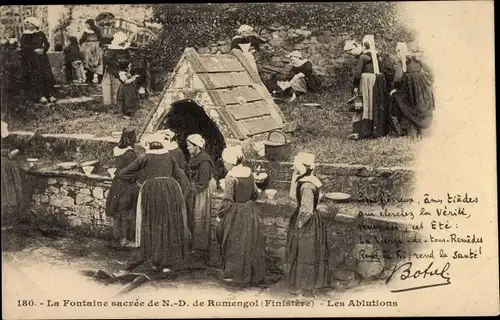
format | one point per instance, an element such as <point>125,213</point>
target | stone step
<point>77,90</point>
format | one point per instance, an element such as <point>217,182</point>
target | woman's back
<point>243,188</point>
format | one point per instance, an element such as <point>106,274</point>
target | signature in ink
<point>439,276</point>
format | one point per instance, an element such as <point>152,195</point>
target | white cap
<point>303,160</point>
<point>196,139</point>
<point>296,54</point>
<point>245,28</point>
<point>349,45</point>
<point>232,154</point>
<point>34,21</point>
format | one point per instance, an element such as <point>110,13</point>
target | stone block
<point>58,200</point>
<point>204,50</point>
<point>52,181</point>
<point>85,212</point>
<point>80,184</point>
<point>85,191</point>
<point>83,198</point>
<point>53,190</point>
<point>98,193</point>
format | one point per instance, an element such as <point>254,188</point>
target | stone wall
<point>82,200</point>
<point>323,48</point>
<point>362,183</point>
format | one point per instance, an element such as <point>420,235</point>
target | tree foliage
<point>196,25</point>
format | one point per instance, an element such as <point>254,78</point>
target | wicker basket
<point>277,150</point>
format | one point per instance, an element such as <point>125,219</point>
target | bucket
<point>277,150</point>
<point>355,103</point>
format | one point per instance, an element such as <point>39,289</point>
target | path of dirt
<point>53,263</point>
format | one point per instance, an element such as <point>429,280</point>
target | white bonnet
<point>34,21</point>
<point>197,140</point>
<point>303,161</point>
<point>245,28</point>
<point>232,154</point>
<point>402,47</point>
<point>349,45</point>
<point>296,54</point>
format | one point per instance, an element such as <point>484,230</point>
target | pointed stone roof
<point>233,89</point>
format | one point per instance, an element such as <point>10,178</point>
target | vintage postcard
<point>248,160</point>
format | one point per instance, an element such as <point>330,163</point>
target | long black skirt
<point>161,217</point>
<point>416,101</point>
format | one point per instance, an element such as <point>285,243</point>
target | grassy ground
<point>83,121</point>
<point>323,131</point>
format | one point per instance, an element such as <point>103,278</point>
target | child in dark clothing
<point>127,96</point>
<point>74,58</point>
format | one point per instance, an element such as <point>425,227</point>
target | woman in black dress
<point>306,257</point>
<point>39,80</point>
<point>369,82</point>
<point>122,198</point>
<point>12,190</point>
<point>239,233</point>
<point>161,219</point>
<point>412,96</point>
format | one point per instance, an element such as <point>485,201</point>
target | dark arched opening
<point>188,117</point>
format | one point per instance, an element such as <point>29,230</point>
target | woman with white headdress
<point>199,194</point>
<point>161,221</point>
<point>121,202</point>
<point>248,42</point>
<point>38,76</point>
<point>115,53</point>
<point>412,96</point>
<point>370,83</point>
<point>239,233</point>
<point>306,258</point>
<point>12,190</point>
<point>173,148</point>
<point>301,75</point>
<point>90,45</point>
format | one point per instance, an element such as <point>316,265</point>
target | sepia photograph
<point>280,159</point>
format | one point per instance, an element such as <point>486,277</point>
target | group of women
<point>167,199</point>
<point>102,63</point>
<point>397,96</point>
